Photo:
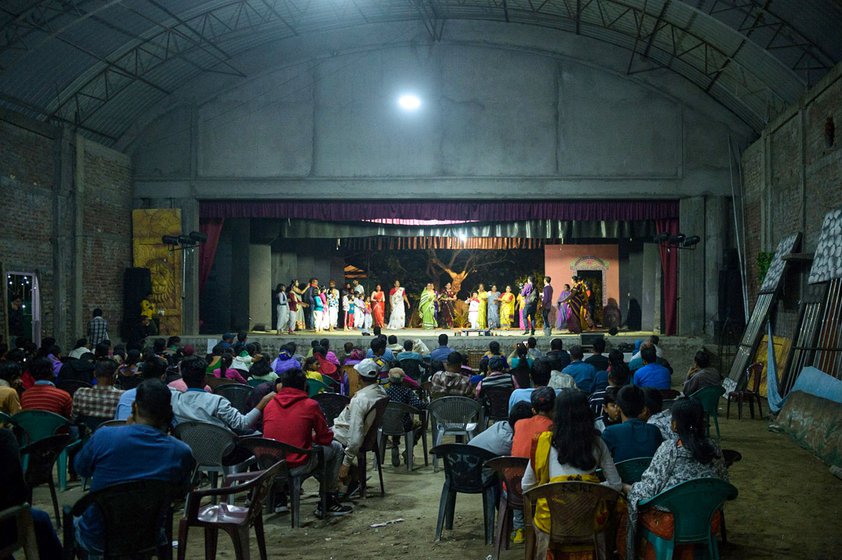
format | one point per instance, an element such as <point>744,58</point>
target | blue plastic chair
<point>39,424</point>
<point>693,505</point>
<point>631,470</point>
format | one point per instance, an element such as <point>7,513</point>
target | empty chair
<point>210,444</point>
<point>394,426</point>
<point>39,424</point>
<point>631,470</point>
<point>147,503</point>
<point>753,375</point>
<point>237,393</point>
<point>693,505</point>
<point>371,443</point>
<point>456,416</point>
<point>314,387</point>
<point>464,473</point>
<point>267,452</point>
<point>579,513</point>
<point>510,471</point>
<point>39,458</point>
<point>233,519</point>
<point>709,397</point>
<point>332,404</point>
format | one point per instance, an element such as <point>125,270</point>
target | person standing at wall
<point>98,328</point>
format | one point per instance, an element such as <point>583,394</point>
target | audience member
<point>451,381</point>
<point>633,437</point>
<point>597,398</point>
<point>532,348</point>
<point>97,328</point>
<point>498,376</point>
<point>399,392</point>
<point>582,372</point>
<point>99,401</point>
<point>652,374</point>
<point>261,372</point>
<point>493,352</point>
<point>701,374</point>
<point>597,359</point>
<point>285,359</point>
<point>44,395</point>
<point>407,353</point>
<point>543,404</point>
<point>497,438</point>
<point>657,415</point>
<point>153,368</point>
<point>225,371</point>
<point>81,347</point>
<point>79,369</point>
<point>10,373</point>
<point>520,355</point>
<point>139,451</point>
<point>558,354</point>
<point>441,353</point>
<point>392,344</point>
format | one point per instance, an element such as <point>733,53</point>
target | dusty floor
<point>789,507</point>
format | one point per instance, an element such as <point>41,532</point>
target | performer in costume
<point>293,300</point>
<point>426,307</point>
<point>283,308</point>
<point>473,310</point>
<point>482,319</point>
<point>530,298</point>
<point>399,303</point>
<point>332,307</point>
<point>563,308</point>
<point>521,302</point>
<point>447,299</point>
<point>493,308</point>
<point>359,310</point>
<point>378,307</point>
<point>577,300</point>
<point>507,308</point>
<point>367,318</point>
<point>295,286</point>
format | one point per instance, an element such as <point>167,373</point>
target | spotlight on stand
<point>678,241</point>
<point>198,236</point>
<point>691,242</point>
<point>661,237</point>
<point>170,239</point>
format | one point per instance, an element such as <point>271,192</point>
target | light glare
<point>409,102</point>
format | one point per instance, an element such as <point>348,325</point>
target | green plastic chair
<point>631,470</point>
<point>709,397</point>
<point>693,505</point>
<point>314,387</point>
<point>40,424</point>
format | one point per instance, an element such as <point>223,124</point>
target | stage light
<point>198,236</point>
<point>691,241</point>
<point>661,237</point>
<point>409,102</point>
<point>170,240</point>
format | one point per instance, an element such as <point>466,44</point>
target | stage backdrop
<point>148,226</point>
<point>561,262</point>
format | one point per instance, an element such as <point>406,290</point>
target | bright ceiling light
<point>409,102</point>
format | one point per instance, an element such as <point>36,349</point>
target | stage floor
<point>427,333</point>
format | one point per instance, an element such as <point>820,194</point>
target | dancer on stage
<point>563,308</point>
<point>347,318</point>
<point>333,298</point>
<point>283,308</point>
<point>473,310</point>
<point>359,310</point>
<point>507,308</point>
<point>493,308</point>
<point>482,319</point>
<point>400,304</point>
<point>378,307</point>
<point>546,306</point>
<point>294,302</point>
<point>295,287</point>
<point>577,299</point>
<point>447,300</point>
<point>521,311</point>
<point>530,298</point>
<point>367,317</point>
<point>427,307</point>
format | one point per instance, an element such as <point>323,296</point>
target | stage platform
<point>679,349</point>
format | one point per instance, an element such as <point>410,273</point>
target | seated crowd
<point>568,413</point>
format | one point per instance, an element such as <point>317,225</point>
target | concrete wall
<point>792,175</point>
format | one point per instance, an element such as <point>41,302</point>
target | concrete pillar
<point>240,234</point>
<point>718,225</point>
<point>67,268</point>
<point>260,285</point>
<point>691,269</point>
<point>650,292</point>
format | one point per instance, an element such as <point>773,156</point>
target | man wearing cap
<point>353,423</point>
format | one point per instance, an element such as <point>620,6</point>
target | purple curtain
<point>669,275</point>
<point>207,251</point>
<point>338,211</point>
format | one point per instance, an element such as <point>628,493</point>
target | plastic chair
<point>72,385</point>
<point>39,424</point>
<point>371,443</point>
<point>256,382</point>
<point>463,472</point>
<point>412,367</point>
<point>210,444</point>
<point>269,451</point>
<point>112,424</point>
<point>234,520</point>
<point>742,393</point>
<point>39,458</point>
<point>332,405</point>
<point>393,425</point>
<point>631,470</point>
<point>314,387</point>
<point>709,397</point>
<point>148,503</point>
<point>237,393</point>
<point>521,375</point>
<point>510,470</point>
<point>214,382</point>
<point>693,505</point>
<point>574,507</point>
<point>496,402</point>
<point>93,422</point>
<point>25,538</point>
<point>452,416</point>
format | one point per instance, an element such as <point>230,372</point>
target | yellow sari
<point>482,317</point>
<point>507,309</point>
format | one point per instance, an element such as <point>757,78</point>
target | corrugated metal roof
<point>104,61</point>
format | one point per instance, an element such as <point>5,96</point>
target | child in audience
<point>633,437</point>
<point>543,404</point>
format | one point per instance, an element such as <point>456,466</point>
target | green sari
<point>427,309</point>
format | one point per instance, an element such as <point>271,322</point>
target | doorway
<point>23,306</point>
<point>593,279</point>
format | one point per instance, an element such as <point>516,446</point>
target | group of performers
<point>326,308</point>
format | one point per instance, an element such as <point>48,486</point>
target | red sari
<point>378,308</point>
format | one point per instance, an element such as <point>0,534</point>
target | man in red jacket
<point>293,418</point>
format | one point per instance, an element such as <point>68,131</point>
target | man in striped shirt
<point>44,395</point>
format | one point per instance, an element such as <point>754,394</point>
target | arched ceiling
<point>99,64</point>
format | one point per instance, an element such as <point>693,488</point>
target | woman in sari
<point>295,287</point>
<point>447,299</point>
<point>427,307</point>
<point>482,318</point>
<point>378,307</point>
<point>571,452</point>
<point>577,301</point>
<point>521,304</point>
<point>493,308</point>
<point>399,303</point>
<point>563,308</point>
<point>507,308</point>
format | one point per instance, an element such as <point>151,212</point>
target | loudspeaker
<point>137,284</point>
<point>588,339</point>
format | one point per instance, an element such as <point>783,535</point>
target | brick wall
<point>107,230</point>
<point>789,185</point>
<point>27,189</point>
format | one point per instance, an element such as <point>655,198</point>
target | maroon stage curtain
<point>669,275</point>
<point>207,250</point>
<point>339,211</point>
